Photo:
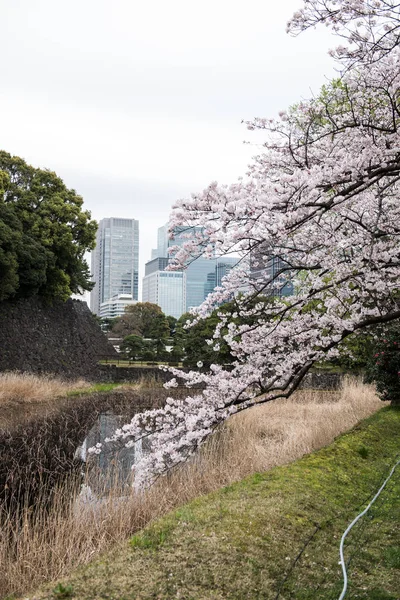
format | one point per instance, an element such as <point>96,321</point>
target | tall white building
<point>115,261</point>
<point>167,289</point>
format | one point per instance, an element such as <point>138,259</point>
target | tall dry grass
<point>20,388</point>
<point>44,547</point>
<point>284,430</point>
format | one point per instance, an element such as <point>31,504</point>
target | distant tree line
<point>44,234</point>
<point>150,335</point>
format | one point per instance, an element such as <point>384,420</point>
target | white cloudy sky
<point>137,103</point>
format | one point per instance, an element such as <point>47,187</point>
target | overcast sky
<point>136,103</point>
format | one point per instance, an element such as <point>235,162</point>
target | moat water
<point>113,467</point>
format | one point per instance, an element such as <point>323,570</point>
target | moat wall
<point>63,339</point>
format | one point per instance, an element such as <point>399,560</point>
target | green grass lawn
<point>272,536</point>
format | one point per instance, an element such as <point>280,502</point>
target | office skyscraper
<point>196,272</point>
<point>167,289</point>
<point>115,261</point>
<point>270,272</point>
<point>222,266</point>
<point>199,278</point>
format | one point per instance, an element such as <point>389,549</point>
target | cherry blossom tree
<point>322,197</point>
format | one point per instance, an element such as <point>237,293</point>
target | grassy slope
<point>241,541</point>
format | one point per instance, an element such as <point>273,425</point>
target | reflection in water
<point>112,468</point>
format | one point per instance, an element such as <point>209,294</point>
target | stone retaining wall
<point>63,339</point>
<point>322,381</point>
<point>115,374</point>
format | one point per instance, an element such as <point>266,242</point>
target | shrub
<point>384,365</point>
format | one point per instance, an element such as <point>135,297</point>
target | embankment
<point>63,338</point>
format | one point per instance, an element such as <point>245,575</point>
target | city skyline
<point>131,121</point>
<point>177,292</point>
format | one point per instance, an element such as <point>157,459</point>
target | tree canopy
<point>44,234</point>
<point>143,319</point>
<point>193,338</point>
<point>323,197</point>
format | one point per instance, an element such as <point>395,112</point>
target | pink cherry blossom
<point>322,196</point>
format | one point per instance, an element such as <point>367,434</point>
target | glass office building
<point>197,271</point>
<point>271,273</point>
<point>202,275</point>
<point>115,261</point>
<point>223,266</point>
<point>167,289</point>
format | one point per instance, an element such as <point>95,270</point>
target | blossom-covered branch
<point>370,28</point>
<point>323,199</point>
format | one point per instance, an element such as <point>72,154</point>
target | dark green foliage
<point>146,331</point>
<point>363,452</point>
<point>106,323</point>
<point>355,351</point>
<point>384,365</point>
<point>172,325</point>
<point>44,234</point>
<point>63,591</point>
<point>135,347</point>
<point>10,241</point>
<point>176,354</point>
<point>132,346</point>
<point>192,342</point>
<point>143,319</point>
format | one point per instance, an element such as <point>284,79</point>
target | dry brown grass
<point>45,548</point>
<point>20,388</point>
<point>284,430</point>
<point>274,434</point>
